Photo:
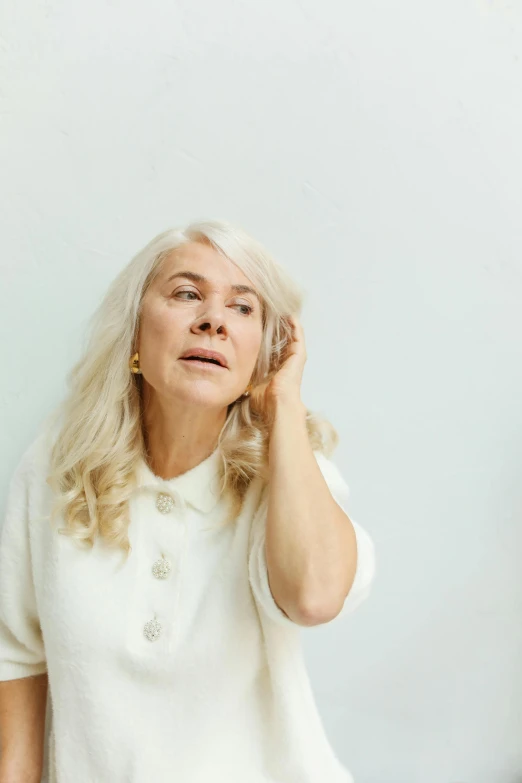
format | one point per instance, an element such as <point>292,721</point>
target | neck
<point>178,436</point>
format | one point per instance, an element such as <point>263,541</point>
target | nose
<point>212,324</point>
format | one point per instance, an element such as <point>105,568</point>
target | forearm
<point>311,547</point>
<point>22,728</point>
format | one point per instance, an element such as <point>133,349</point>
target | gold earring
<point>134,363</point>
<point>248,390</point>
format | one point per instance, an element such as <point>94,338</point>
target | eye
<point>249,308</point>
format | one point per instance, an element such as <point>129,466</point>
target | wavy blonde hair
<point>99,440</point>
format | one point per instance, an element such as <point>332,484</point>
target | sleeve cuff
<point>364,573</point>
<point>14,670</point>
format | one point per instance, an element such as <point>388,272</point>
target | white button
<point>161,568</point>
<point>152,630</point>
<point>164,503</point>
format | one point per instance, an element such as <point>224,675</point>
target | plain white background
<point>375,149</point>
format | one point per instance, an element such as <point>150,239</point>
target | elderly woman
<point>202,523</point>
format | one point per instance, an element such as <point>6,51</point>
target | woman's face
<point>180,313</point>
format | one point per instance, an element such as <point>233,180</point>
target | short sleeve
<point>365,570</point>
<point>21,643</point>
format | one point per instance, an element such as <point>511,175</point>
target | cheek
<point>160,328</point>
<point>251,346</point>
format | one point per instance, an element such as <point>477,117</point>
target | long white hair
<point>99,440</point>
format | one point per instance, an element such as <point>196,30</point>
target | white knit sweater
<point>187,674</point>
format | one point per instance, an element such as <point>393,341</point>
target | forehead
<point>205,259</point>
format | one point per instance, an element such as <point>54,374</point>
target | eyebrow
<point>197,278</point>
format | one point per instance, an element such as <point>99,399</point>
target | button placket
<point>165,503</point>
<point>162,567</point>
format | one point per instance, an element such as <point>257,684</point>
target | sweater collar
<point>198,486</point>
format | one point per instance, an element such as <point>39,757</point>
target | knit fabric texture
<point>218,690</point>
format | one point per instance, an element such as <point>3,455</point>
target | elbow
<point>319,614</point>
<point>326,608</point>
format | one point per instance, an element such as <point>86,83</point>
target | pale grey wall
<point>375,148</point>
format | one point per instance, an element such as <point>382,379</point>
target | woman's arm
<point>311,544</point>
<point>22,729</point>
<point>311,547</point>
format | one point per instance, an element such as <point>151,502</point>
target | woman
<point>202,524</point>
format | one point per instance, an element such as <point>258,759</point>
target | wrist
<point>290,406</point>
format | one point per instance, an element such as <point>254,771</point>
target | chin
<point>202,394</point>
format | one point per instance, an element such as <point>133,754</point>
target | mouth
<point>203,364</point>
